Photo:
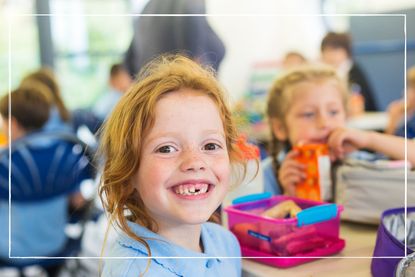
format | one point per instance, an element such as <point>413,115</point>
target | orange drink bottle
<point>317,185</point>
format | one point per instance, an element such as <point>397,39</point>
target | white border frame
<point>9,16</point>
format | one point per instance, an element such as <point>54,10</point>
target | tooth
<point>192,189</point>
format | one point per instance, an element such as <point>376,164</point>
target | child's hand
<point>343,141</point>
<point>291,173</point>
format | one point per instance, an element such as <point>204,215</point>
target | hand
<point>291,173</point>
<point>343,141</point>
<point>396,111</point>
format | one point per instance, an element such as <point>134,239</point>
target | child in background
<point>168,148</point>
<point>396,110</point>
<point>30,108</point>
<point>336,51</point>
<point>59,119</point>
<point>308,105</point>
<point>119,82</point>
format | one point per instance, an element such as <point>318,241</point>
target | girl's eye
<point>307,114</point>
<point>211,146</point>
<point>166,149</point>
<point>334,112</point>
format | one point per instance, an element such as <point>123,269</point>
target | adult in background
<point>191,35</point>
<point>336,50</point>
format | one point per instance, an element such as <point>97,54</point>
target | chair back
<point>44,165</point>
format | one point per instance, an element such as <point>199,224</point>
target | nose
<point>192,161</point>
<point>323,121</point>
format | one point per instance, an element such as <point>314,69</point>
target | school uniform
<point>168,259</point>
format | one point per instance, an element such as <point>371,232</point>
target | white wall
<point>255,31</point>
<point>259,30</point>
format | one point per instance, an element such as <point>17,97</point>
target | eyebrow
<point>174,134</point>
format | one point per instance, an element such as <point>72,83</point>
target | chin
<point>197,218</point>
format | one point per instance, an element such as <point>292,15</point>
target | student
<point>307,105</point>
<point>396,110</point>
<point>119,82</point>
<point>59,119</point>
<point>168,146</point>
<point>336,50</point>
<point>30,108</point>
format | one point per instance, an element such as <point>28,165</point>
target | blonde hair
<point>46,76</point>
<point>133,117</point>
<point>280,98</point>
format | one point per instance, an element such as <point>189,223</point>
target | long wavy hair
<point>280,98</point>
<point>46,76</point>
<point>133,117</point>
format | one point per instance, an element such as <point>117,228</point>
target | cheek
<point>221,168</point>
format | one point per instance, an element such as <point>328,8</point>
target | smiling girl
<point>168,148</point>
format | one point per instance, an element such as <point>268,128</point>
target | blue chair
<point>45,169</point>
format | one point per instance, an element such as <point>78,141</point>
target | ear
<point>17,131</point>
<point>279,130</point>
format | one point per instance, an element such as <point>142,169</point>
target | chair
<point>45,169</point>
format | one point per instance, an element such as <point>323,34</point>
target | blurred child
<point>59,119</point>
<point>168,146</point>
<point>336,50</point>
<point>30,108</point>
<point>306,106</point>
<point>119,82</point>
<point>396,110</point>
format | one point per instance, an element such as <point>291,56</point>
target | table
<point>353,261</point>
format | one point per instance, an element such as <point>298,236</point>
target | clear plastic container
<point>312,234</point>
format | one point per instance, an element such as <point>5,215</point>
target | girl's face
<point>316,109</point>
<point>184,171</point>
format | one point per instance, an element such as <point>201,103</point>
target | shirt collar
<point>161,247</point>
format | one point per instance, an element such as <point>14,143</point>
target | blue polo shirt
<point>217,243</point>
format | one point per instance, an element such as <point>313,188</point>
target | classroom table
<point>354,260</point>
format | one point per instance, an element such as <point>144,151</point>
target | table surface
<point>354,260</point>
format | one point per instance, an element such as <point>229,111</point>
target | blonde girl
<point>169,145</point>
<point>307,105</point>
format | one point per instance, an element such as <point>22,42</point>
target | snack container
<point>312,234</point>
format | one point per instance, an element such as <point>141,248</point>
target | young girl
<point>168,148</point>
<point>59,119</point>
<point>307,105</point>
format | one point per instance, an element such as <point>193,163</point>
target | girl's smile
<point>184,168</point>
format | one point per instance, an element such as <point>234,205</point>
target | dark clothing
<point>191,35</point>
<point>358,82</point>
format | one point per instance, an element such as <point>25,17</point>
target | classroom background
<point>82,40</point>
